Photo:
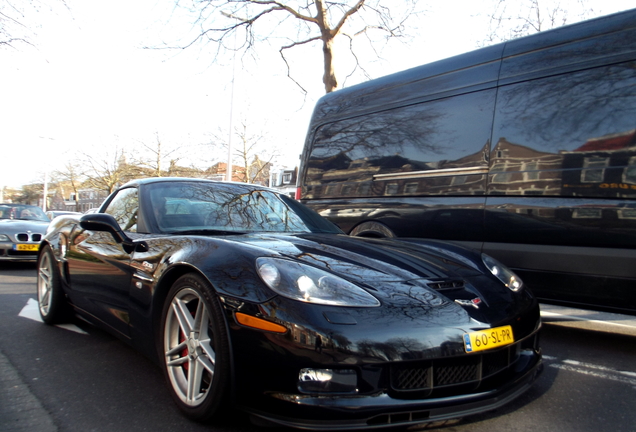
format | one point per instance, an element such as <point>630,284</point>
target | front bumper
<point>8,253</point>
<point>383,411</point>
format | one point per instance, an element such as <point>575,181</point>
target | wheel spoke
<point>176,350</point>
<point>195,381</point>
<point>208,359</point>
<point>182,313</point>
<point>178,361</point>
<point>201,321</point>
<point>44,284</point>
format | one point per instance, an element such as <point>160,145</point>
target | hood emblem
<point>474,302</point>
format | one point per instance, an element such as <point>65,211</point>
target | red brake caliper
<point>184,352</point>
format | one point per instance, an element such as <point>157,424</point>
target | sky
<point>87,83</point>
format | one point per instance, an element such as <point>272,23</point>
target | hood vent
<point>446,285</point>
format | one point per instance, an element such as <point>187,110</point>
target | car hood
<point>373,259</point>
<point>12,226</point>
<point>401,273</point>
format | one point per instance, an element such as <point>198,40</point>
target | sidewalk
<point>20,410</point>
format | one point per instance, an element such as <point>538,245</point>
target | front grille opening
<point>457,375</point>
<point>458,371</point>
<point>406,378</point>
<point>24,237</point>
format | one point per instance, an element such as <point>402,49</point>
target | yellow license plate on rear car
<point>27,247</point>
<point>488,339</point>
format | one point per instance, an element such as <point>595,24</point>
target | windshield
<point>229,208</point>
<point>22,212</point>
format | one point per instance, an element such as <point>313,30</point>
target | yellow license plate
<point>27,247</point>
<point>488,339</point>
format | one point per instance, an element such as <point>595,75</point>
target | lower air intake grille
<point>447,372</point>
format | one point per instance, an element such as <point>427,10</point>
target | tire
<point>194,348</point>
<point>53,306</point>
<point>372,229</point>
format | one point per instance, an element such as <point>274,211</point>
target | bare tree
<point>240,24</point>
<point>158,155</point>
<point>512,18</point>
<point>106,172</point>
<point>247,150</point>
<point>253,152</point>
<point>31,194</point>
<point>15,27</point>
<point>12,29</point>
<point>72,175</point>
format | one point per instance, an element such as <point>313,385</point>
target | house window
<point>531,172</point>
<point>587,213</point>
<point>500,176</point>
<point>594,169</point>
<point>346,190</point>
<point>410,188</point>
<point>629,174</point>
<point>391,189</point>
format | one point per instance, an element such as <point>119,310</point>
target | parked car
<point>21,230</point>
<point>245,297</point>
<point>524,150</point>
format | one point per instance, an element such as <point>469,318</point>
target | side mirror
<point>106,223</point>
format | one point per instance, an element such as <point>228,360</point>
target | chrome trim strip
<point>143,278</point>
<point>431,173</point>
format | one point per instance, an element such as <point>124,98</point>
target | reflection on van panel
<point>525,150</point>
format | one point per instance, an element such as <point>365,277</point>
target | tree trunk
<point>329,77</point>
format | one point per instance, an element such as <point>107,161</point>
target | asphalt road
<point>80,378</point>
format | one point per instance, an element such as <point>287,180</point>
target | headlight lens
<point>503,273</point>
<point>311,285</point>
<point>4,237</point>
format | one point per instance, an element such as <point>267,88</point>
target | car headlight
<point>4,237</point>
<point>503,273</point>
<point>311,285</point>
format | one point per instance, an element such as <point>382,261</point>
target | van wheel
<point>372,229</point>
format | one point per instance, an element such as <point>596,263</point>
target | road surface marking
<point>590,369</point>
<point>32,311</point>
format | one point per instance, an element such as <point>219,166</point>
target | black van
<point>525,150</point>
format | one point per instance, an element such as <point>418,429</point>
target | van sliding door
<point>561,204</point>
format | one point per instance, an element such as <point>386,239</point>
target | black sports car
<point>247,298</point>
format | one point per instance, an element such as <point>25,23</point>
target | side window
<point>405,144</point>
<point>571,135</point>
<point>123,207</point>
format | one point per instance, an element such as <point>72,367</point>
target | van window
<point>437,135</point>
<point>571,134</point>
